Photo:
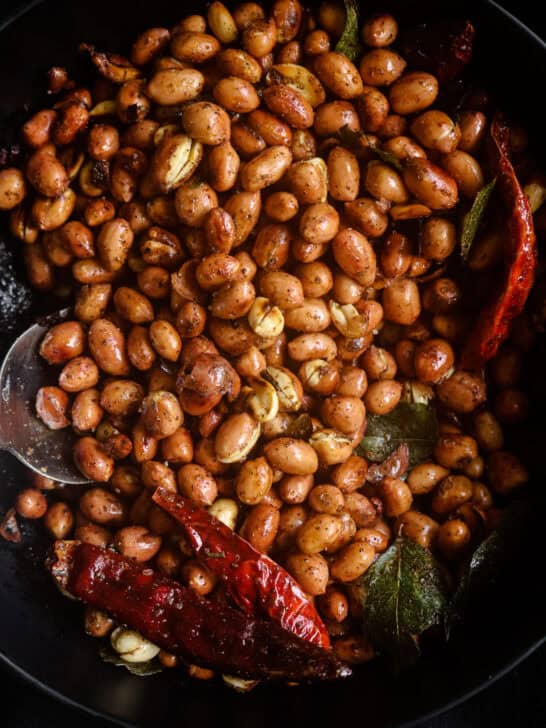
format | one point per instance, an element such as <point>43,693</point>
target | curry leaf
<point>487,562</point>
<point>349,43</point>
<point>415,425</point>
<point>403,594</point>
<point>357,140</point>
<point>142,669</point>
<point>474,217</point>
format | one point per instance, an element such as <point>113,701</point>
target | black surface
<point>43,631</point>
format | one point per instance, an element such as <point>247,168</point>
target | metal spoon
<point>23,372</point>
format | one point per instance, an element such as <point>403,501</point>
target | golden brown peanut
<point>133,306</point>
<point>315,43</point>
<point>383,182</point>
<point>473,125</point>
<point>193,202</point>
<point>287,15</point>
<point>206,122</point>
<point>381,67</point>
<point>377,539</point>
<point>154,281</point>
<point>292,456</point>
<point>261,526</point>
<point>462,392</point>
<point>59,520</point>
<point>221,23</point>
<point>137,543</point>
<point>379,363</point>
<point>197,484</point>
<point>126,481</point>
<point>37,130</point>
<point>31,503</point>
<point>236,437</point>
<point>206,457</point>
<point>235,94</point>
<point>466,172</point>
<point>121,397</point>
<point>161,414</point>
<point>282,289</point>
<point>92,461</point>
<point>237,62</point>
<point>333,605</point>
<point>353,561</point>
<point>44,172</point>
<point>78,239</point>
<point>318,532</point>
<point>455,450</point>
<point>98,211</point>
<point>423,478</point>
<point>194,47</point>
<point>488,431</point>
<point>311,317</point>
<point>233,300</point>
<point>51,405</point>
<point>93,534</point>
<point>319,376</point>
<point>352,381</point>
<point>355,256</point>
<point>198,577</point>
<point>433,360</point>
<point>294,489</point>
<point>285,102</point>
<point>396,496</point>
<point>217,269</point>
<point>165,339</point>
<point>346,414</point>
<point>172,86</point>
<point>73,118</point>
<point>401,302</point>
<point>78,374</point>
<point>339,75</point>
<point>361,509</point>
<point>334,115</point>
<point>373,108</point>
<point>139,348</point>
<point>413,92</point>
<point>148,45</point>
<point>13,187</point>
<point>178,448</point>
<point>244,208</point>
<point>310,570</point>
<point>259,37</point>
<point>113,243</point>
<point>246,141</point>
<point>380,30</point>
<point>382,396</point>
<point>326,499</point>
<point>253,481</point>
<point>437,131</point>
<point>272,130</point>
<point>453,538</point>
<point>132,104</point>
<point>107,347</point>
<point>505,472</point>
<point>308,180</point>
<point>266,168</point>
<point>367,216</point>
<point>319,223</point>
<point>316,278</point>
<point>438,238</point>
<point>51,213</point>
<point>343,175</point>
<point>86,412</point>
<point>62,342</point>
<point>332,447</point>
<point>272,246</point>
<point>312,346</point>
<point>417,527</point>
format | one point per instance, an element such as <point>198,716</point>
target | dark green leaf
<point>487,562</point>
<point>415,425</point>
<point>356,141</point>
<point>142,669</point>
<point>349,43</point>
<point>403,594</point>
<point>474,217</point>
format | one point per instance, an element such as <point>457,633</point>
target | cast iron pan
<point>41,633</point>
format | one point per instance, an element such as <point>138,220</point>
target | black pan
<point>40,631</point>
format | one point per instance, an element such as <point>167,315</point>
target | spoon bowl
<point>23,372</point>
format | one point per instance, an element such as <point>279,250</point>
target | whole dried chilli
<point>174,617</point>
<point>253,580</point>
<point>520,256</point>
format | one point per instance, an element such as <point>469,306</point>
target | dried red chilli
<point>520,257</point>
<point>174,617</point>
<point>443,48</point>
<point>253,580</point>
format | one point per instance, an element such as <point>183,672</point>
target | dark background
<point>517,699</point>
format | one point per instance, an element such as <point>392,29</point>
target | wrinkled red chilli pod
<point>175,618</point>
<point>520,258</point>
<point>442,47</point>
<point>459,54</point>
<point>253,580</point>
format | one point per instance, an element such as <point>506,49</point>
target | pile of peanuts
<point>247,289</point>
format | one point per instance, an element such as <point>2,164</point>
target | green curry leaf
<point>415,425</point>
<point>349,43</point>
<point>357,140</point>
<point>474,217</point>
<point>402,594</point>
